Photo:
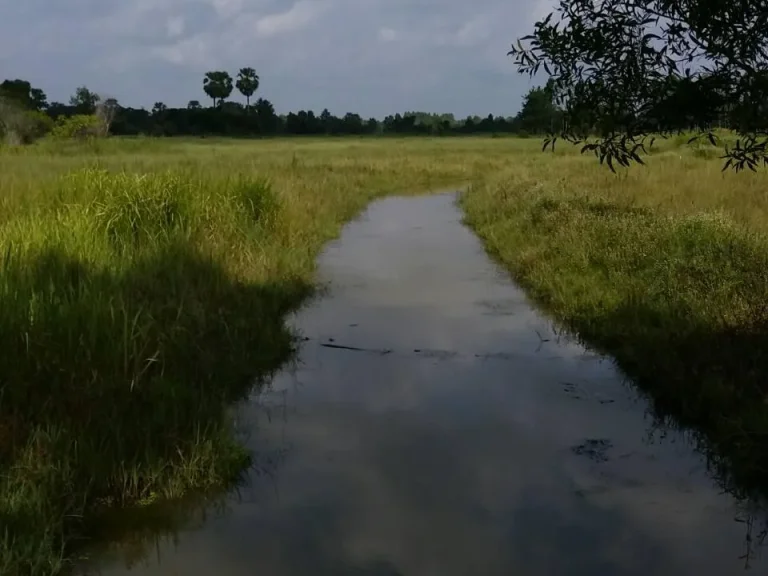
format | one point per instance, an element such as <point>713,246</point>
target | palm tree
<point>218,85</point>
<point>247,83</point>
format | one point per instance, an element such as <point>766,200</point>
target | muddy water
<point>435,426</point>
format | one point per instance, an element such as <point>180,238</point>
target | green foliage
<point>84,101</point>
<point>627,70</point>
<point>22,126</point>
<point>247,83</point>
<point>80,126</point>
<point>539,114</point>
<point>218,85</point>
<point>23,94</point>
<point>40,124</point>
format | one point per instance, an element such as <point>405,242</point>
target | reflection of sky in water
<point>405,464</point>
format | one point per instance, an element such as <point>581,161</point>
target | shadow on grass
<point>710,383</point>
<point>114,386</point>
<point>711,379</point>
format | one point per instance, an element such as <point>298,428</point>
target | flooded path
<point>435,426</point>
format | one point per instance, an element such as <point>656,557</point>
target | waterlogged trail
<point>435,426</point>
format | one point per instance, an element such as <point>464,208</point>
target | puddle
<point>436,426</point>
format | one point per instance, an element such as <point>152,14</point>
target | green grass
<point>143,290</point>
<point>145,282</point>
<point>665,267</point>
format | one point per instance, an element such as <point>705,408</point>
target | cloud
<point>175,26</point>
<point>475,31</point>
<point>299,16</point>
<point>193,51</point>
<point>387,35</point>
<point>372,56</point>
<point>227,8</point>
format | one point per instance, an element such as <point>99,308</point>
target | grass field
<point>665,267</point>
<point>144,284</point>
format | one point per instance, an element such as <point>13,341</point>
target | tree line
<point>257,117</point>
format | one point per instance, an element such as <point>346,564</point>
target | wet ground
<point>436,426</point>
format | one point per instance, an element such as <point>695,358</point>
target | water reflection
<point>437,425</point>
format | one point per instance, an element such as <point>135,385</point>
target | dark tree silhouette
<point>232,119</point>
<point>218,85</point>
<point>22,93</point>
<point>84,100</point>
<point>247,84</point>
<point>539,114</point>
<point>627,70</point>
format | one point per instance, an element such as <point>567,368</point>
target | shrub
<point>19,126</point>
<point>80,126</point>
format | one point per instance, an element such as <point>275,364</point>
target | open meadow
<point>145,283</point>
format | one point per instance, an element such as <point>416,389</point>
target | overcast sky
<point>374,57</point>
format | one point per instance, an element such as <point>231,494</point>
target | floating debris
<point>594,448</point>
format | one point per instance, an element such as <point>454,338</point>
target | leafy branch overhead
<point>626,71</point>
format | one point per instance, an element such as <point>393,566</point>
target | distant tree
<point>106,111</point>
<point>193,105</point>
<point>539,114</point>
<point>353,123</point>
<point>232,107</point>
<point>619,65</point>
<point>158,108</point>
<point>247,83</point>
<point>39,99</point>
<point>84,101</point>
<point>371,125</point>
<point>327,121</point>
<point>22,93</point>
<point>56,109</point>
<point>218,85</point>
<point>267,118</point>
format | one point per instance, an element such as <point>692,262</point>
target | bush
<point>19,126</point>
<point>80,126</point>
<point>38,124</point>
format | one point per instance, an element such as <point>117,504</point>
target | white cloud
<point>387,34</point>
<point>227,8</point>
<point>474,31</point>
<point>541,8</point>
<point>299,16</point>
<point>175,26</point>
<point>194,52</point>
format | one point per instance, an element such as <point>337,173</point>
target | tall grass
<point>665,267</point>
<point>143,290</point>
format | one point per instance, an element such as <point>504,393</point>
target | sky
<point>373,57</point>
